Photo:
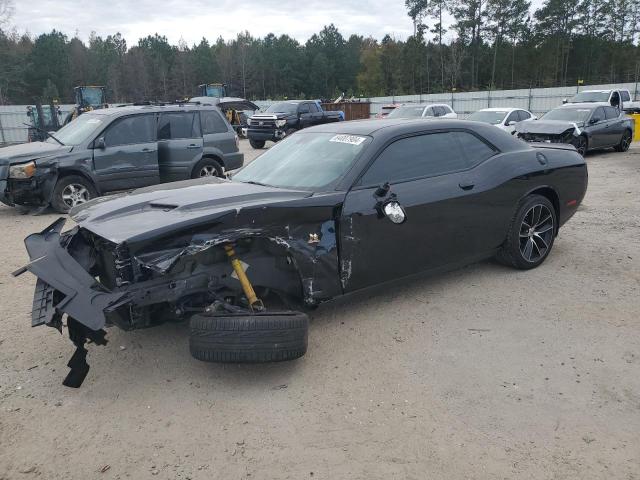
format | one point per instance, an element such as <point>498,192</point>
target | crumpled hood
<point>155,211</point>
<point>30,151</point>
<point>551,127</point>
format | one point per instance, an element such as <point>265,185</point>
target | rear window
<point>131,130</point>
<point>178,125</point>
<point>611,112</point>
<point>212,122</point>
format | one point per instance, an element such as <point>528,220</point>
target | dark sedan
<point>329,211</point>
<point>585,126</point>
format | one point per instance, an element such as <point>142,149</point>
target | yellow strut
<point>254,301</point>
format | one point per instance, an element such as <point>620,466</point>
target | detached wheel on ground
<point>625,142</point>
<point>257,144</point>
<point>241,338</point>
<point>71,191</point>
<point>207,167</point>
<point>531,234</point>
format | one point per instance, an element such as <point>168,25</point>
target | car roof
<point>389,126</point>
<point>131,109</point>
<point>584,105</point>
<point>423,105</point>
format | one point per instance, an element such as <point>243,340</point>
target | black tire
<point>207,167</point>
<point>66,186</point>
<point>582,145</point>
<point>520,235</point>
<point>625,142</point>
<point>241,338</point>
<point>257,144</point>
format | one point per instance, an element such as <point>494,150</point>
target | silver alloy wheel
<point>536,233</point>
<point>75,194</point>
<point>208,171</point>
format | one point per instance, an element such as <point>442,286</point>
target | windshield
<point>79,131</point>
<point>493,118</point>
<point>92,96</point>
<point>306,161</point>
<point>283,107</point>
<point>590,97</point>
<point>568,114</point>
<point>215,91</point>
<point>407,112</point>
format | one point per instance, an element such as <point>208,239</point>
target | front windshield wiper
<point>252,182</point>
<point>45,132</point>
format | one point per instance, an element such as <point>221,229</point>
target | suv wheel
<point>257,144</point>
<point>72,191</point>
<point>207,167</point>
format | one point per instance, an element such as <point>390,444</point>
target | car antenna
<point>45,132</point>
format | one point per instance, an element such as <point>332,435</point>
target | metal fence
<point>536,100</point>
<point>13,119</point>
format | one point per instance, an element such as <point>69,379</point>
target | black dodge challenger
<point>328,211</point>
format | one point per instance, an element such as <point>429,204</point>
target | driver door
<point>126,154</point>
<point>598,128</point>
<point>447,218</point>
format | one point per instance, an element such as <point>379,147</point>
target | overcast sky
<point>193,19</point>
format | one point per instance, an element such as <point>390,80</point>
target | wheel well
<point>214,157</point>
<point>551,195</point>
<point>80,173</point>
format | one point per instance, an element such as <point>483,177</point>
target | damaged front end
<point>548,132</point>
<point>137,283</point>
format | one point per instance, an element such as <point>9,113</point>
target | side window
<point>612,112</point>
<point>624,95</point>
<point>446,109</point>
<point>475,150</point>
<point>513,117</point>
<point>430,112</point>
<point>212,122</point>
<point>304,108</point>
<point>598,114</point>
<point>522,115</point>
<point>130,130</point>
<point>313,107</point>
<point>439,111</point>
<point>178,125</point>
<point>415,157</point>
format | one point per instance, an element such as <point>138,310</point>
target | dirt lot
<point>484,373</point>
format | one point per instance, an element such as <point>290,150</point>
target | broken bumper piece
<point>65,287</point>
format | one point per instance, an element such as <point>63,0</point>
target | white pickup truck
<point>620,98</point>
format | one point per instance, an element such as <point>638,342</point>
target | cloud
<point>192,20</point>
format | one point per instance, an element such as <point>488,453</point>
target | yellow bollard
<point>254,302</point>
<point>636,129</point>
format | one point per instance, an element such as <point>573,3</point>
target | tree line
<point>491,44</point>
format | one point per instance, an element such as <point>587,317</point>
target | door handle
<point>193,146</point>
<point>466,185</point>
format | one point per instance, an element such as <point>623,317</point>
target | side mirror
<point>394,212</point>
<point>100,144</point>
<point>594,120</point>
<point>511,123</point>
<point>564,100</point>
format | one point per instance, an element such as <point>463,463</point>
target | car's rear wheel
<point>243,338</point>
<point>625,142</point>
<point>581,145</point>
<point>531,234</point>
<point>207,167</point>
<point>71,191</point>
<point>257,144</point>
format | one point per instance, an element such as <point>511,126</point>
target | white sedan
<point>423,110</point>
<point>503,118</point>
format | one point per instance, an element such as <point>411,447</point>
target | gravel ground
<point>484,372</point>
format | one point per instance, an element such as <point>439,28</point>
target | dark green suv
<point>118,149</point>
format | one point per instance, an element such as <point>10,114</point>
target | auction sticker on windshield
<point>350,139</point>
